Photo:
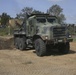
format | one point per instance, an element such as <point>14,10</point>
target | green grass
<point>5,31</point>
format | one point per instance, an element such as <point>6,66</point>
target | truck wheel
<point>22,44</point>
<point>16,42</point>
<point>40,47</point>
<point>64,48</point>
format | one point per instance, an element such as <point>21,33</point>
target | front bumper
<point>57,40</point>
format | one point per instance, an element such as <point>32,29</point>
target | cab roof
<point>42,15</point>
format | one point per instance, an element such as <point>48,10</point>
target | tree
<point>71,28</point>
<point>26,11</point>
<point>4,18</point>
<point>37,12</point>
<point>56,10</point>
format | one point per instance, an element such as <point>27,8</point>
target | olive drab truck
<point>42,32</point>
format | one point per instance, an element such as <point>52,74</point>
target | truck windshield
<point>51,20</point>
<point>41,20</point>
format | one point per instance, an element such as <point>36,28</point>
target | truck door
<point>32,27</point>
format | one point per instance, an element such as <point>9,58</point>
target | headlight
<point>70,36</point>
<point>46,37</point>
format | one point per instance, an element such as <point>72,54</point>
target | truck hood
<point>48,24</point>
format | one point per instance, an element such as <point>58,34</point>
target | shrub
<point>6,31</point>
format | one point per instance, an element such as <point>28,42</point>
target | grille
<point>58,31</point>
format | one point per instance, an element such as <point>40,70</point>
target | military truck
<point>42,32</point>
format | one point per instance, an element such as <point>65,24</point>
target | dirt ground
<point>16,62</point>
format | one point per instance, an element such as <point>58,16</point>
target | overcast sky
<point>12,7</point>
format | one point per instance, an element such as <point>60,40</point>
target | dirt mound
<point>6,43</point>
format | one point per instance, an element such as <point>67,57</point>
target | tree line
<point>54,10</point>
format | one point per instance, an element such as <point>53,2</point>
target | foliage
<point>6,31</point>
<point>56,10</point>
<point>71,28</point>
<point>4,18</point>
<point>3,31</point>
<point>37,12</point>
<point>26,11</point>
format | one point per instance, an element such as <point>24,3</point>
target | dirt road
<point>15,62</point>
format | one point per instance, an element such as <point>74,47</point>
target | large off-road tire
<point>40,47</point>
<point>16,42</point>
<point>64,48</point>
<point>22,44</point>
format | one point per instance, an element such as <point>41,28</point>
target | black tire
<point>40,47</point>
<point>16,42</point>
<point>64,48</point>
<point>22,44</point>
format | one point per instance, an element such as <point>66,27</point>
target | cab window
<point>51,20</point>
<point>41,20</point>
